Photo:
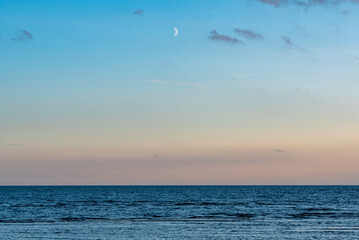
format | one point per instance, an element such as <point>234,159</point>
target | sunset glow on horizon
<point>248,92</point>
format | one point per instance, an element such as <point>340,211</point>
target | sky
<point>248,92</point>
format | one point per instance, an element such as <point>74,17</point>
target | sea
<point>179,212</point>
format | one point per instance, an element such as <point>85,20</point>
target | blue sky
<point>92,81</point>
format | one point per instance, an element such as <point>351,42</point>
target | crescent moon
<point>176,31</point>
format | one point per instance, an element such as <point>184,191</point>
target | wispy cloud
<point>312,98</point>
<point>242,76</point>
<point>138,12</point>
<point>175,83</point>
<point>344,12</point>
<point>13,145</point>
<point>215,36</point>
<point>275,3</point>
<point>303,91</point>
<point>248,34</point>
<point>21,36</point>
<point>305,3</point>
<point>287,42</point>
<point>279,150</point>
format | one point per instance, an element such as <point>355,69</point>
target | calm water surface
<point>179,212</point>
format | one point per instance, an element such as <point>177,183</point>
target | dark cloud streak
<point>138,12</point>
<point>305,3</point>
<point>13,145</point>
<point>248,34</point>
<point>275,3</point>
<point>287,42</point>
<point>215,36</point>
<point>21,36</point>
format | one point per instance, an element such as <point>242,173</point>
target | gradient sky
<point>101,92</point>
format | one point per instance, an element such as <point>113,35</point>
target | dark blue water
<point>180,212</point>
